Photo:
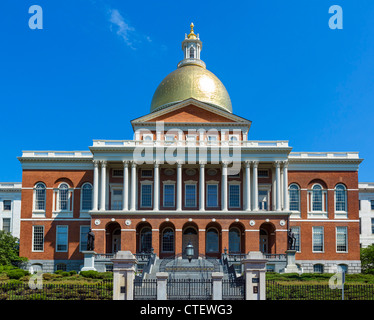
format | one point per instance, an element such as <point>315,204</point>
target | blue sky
<point>96,64</point>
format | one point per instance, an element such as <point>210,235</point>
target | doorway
<point>190,235</point>
<point>116,241</point>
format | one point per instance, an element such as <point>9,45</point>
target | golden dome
<point>191,81</point>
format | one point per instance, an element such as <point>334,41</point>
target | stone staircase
<point>179,268</point>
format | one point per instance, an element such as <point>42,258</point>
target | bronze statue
<point>291,240</point>
<point>90,241</point>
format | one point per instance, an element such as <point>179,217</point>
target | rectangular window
<point>169,137</point>
<point>7,205</point>
<point>62,238</point>
<point>212,138</point>
<point>146,196</point>
<point>372,225</point>
<point>341,239</point>
<point>263,200</point>
<point>296,232</point>
<point>38,238</point>
<point>190,197</point>
<point>147,173</point>
<point>212,195</point>
<point>262,173</point>
<point>169,195</point>
<point>6,224</point>
<point>372,204</point>
<point>117,173</point>
<point>318,239</point>
<point>234,196</point>
<point>83,238</point>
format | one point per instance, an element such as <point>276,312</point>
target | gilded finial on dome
<point>192,35</point>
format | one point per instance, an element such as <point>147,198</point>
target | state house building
<point>191,173</point>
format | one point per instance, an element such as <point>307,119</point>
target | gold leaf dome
<point>191,80</point>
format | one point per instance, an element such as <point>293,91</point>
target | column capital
<point>202,163</point>
<point>277,164</point>
<point>156,163</point>
<point>255,164</point>
<point>96,163</point>
<point>225,164</point>
<point>133,164</point>
<point>247,163</point>
<point>103,163</point>
<point>180,163</point>
<point>125,163</point>
<point>285,163</point>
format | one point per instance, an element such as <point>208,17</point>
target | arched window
<point>340,198</point>
<point>192,52</point>
<point>168,240</point>
<point>86,198</point>
<point>294,196</point>
<point>317,204</point>
<point>63,197</point>
<point>39,196</point>
<point>212,240</point>
<point>234,240</point>
<point>342,267</point>
<point>145,240</point>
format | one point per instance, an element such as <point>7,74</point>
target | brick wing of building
<point>190,174</point>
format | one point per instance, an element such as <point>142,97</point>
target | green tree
<point>367,259</point>
<point>9,250</point>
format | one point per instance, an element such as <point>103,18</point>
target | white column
<point>277,181</point>
<point>125,190</point>
<point>248,185</point>
<point>103,185</point>
<point>179,186</point>
<point>255,186</point>
<point>133,186</point>
<point>96,185</point>
<point>224,187</point>
<point>202,186</point>
<point>286,205</point>
<point>107,189</point>
<point>156,187</point>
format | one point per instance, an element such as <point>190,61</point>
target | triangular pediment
<point>191,111</point>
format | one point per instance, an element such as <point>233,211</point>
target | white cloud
<point>123,28</point>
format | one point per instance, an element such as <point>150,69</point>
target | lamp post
<point>189,251</point>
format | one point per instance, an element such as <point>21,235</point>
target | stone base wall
<point>330,266</point>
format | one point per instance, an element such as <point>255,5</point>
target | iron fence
<point>276,291</point>
<point>233,289</point>
<point>22,291</point>
<point>145,289</point>
<point>189,289</point>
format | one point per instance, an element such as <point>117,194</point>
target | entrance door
<point>263,241</point>
<point>116,241</point>
<point>190,235</point>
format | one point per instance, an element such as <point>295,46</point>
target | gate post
<point>255,278</point>
<point>123,275</point>
<point>217,285</point>
<point>162,278</point>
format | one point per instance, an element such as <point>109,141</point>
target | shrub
<point>96,275</point>
<point>90,274</point>
<point>17,273</point>
<point>73,272</point>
